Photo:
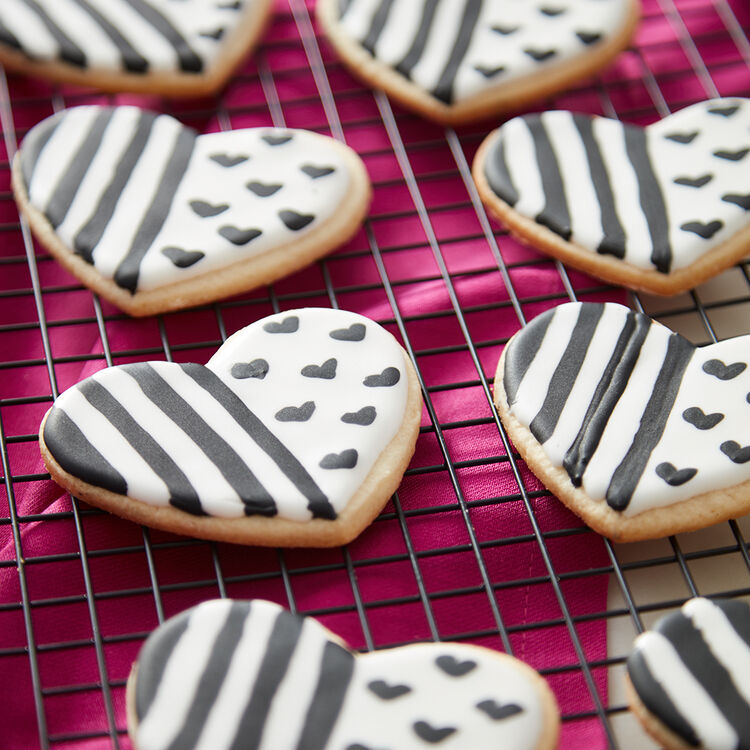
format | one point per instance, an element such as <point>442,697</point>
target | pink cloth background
<point>124,609</point>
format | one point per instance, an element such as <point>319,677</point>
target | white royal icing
<point>335,427</point>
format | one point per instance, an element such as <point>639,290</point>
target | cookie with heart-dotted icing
<point>155,217</point>
<point>660,208</point>
<point>168,47</point>
<point>687,678</point>
<point>634,428</point>
<point>295,433</point>
<point>460,60</point>
<point>248,674</point>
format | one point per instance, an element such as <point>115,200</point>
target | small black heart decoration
<point>706,230</point>
<point>743,201</point>
<point>229,160</point>
<point>390,376</point>
<point>294,220</point>
<point>183,258</point>
<point>501,705</point>
<point>683,138</point>
<point>289,324</point>
<point>264,190</point>
<point>258,368</point>
<point>345,460</point>
<point>455,668</point>
<point>239,236</point>
<point>694,182</point>
<point>296,413</point>
<point>489,71</point>
<point>205,209</point>
<point>540,55</point>
<point>648,438</point>
<point>589,37</point>
<point>364,416</point>
<point>326,371</point>
<point>355,332</point>
<point>316,172</point>
<point>737,155</point>
<point>277,139</point>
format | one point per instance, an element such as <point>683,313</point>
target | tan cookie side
<point>658,731</point>
<point>241,40</point>
<point>504,97</point>
<point>364,506</point>
<point>241,276</point>
<point>688,515</point>
<point>605,267</point>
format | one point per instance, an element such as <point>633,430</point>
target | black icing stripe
<point>318,503</point>
<point>444,88</point>
<point>278,654</point>
<point>33,146</point>
<point>91,233</point>
<point>335,674</point>
<point>69,51</point>
<point>224,645</point>
<point>611,386</point>
<point>238,474</point>
<point>8,38</point>
<point>566,372</point>
<point>181,491</point>
<point>656,700</point>
<point>126,275</point>
<point>738,615</point>
<point>654,419</point>
<point>520,354</point>
<point>153,660</point>
<point>613,242</point>
<point>416,50</point>
<point>190,62</point>
<point>76,455</point>
<point>555,214</point>
<point>132,60</point>
<point>379,20</point>
<point>651,198</point>
<point>66,189</point>
<point>707,670</point>
<point>497,173</point>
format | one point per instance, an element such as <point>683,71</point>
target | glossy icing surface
<point>457,48</point>
<point>634,413</point>
<point>149,202</point>
<point>287,418</point>
<point>658,198</point>
<point>692,671</point>
<point>251,675</point>
<point>137,36</point>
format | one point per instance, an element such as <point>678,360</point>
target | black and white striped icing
<point>249,675</point>
<point>149,202</point>
<point>137,36</point>
<point>692,672</point>
<point>287,418</point>
<point>634,413</point>
<point>457,48</point>
<point>657,198</point>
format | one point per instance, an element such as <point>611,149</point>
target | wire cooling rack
<point>471,548</point>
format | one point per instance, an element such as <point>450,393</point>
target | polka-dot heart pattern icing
<point>487,54</point>
<point>689,673</point>
<point>158,45</point>
<point>647,207</point>
<point>142,204</point>
<point>623,418</point>
<point>289,420</point>
<point>230,674</point>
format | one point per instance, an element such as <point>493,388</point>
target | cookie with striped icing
<point>184,48</point>
<point>154,216</point>
<point>295,433</point>
<point>688,677</point>
<point>634,428</point>
<point>660,208</point>
<point>460,60</point>
<point>229,674</point>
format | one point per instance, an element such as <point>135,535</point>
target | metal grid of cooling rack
<point>705,53</point>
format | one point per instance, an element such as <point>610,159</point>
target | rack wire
<point>471,548</point>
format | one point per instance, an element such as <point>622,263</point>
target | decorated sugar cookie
<point>155,217</point>
<point>248,674</point>
<point>635,429</point>
<point>660,208</point>
<point>296,433</point>
<point>169,47</point>
<point>461,60</point>
<point>688,677</point>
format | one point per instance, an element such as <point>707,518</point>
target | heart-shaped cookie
<point>155,217</point>
<point>635,429</point>
<point>248,674</point>
<point>660,208</point>
<point>296,433</point>
<point>460,60</point>
<point>688,676</point>
<point>184,48</point>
